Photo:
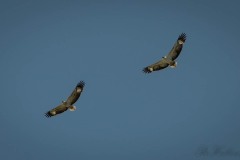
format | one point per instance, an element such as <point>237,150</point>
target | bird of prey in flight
<point>168,60</point>
<point>69,103</point>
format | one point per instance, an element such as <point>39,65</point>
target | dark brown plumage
<point>168,60</point>
<point>69,103</point>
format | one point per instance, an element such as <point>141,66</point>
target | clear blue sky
<point>47,47</point>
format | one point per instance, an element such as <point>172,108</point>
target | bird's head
<point>64,102</point>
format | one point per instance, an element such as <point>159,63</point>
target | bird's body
<point>69,103</point>
<point>168,60</point>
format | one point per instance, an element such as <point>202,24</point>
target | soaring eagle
<point>69,103</point>
<point>168,60</point>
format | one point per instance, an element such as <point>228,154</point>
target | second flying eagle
<point>168,60</point>
<point>69,103</point>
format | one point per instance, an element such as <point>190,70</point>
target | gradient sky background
<point>47,47</point>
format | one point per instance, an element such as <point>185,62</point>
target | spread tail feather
<point>72,108</point>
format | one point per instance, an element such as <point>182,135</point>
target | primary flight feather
<point>69,103</point>
<point>168,60</point>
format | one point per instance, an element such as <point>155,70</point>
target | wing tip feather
<point>48,114</point>
<point>146,70</point>
<point>182,37</point>
<point>81,84</point>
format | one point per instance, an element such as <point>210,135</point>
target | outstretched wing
<point>59,109</point>
<point>177,48</point>
<point>155,67</point>
<point>76,93</point>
